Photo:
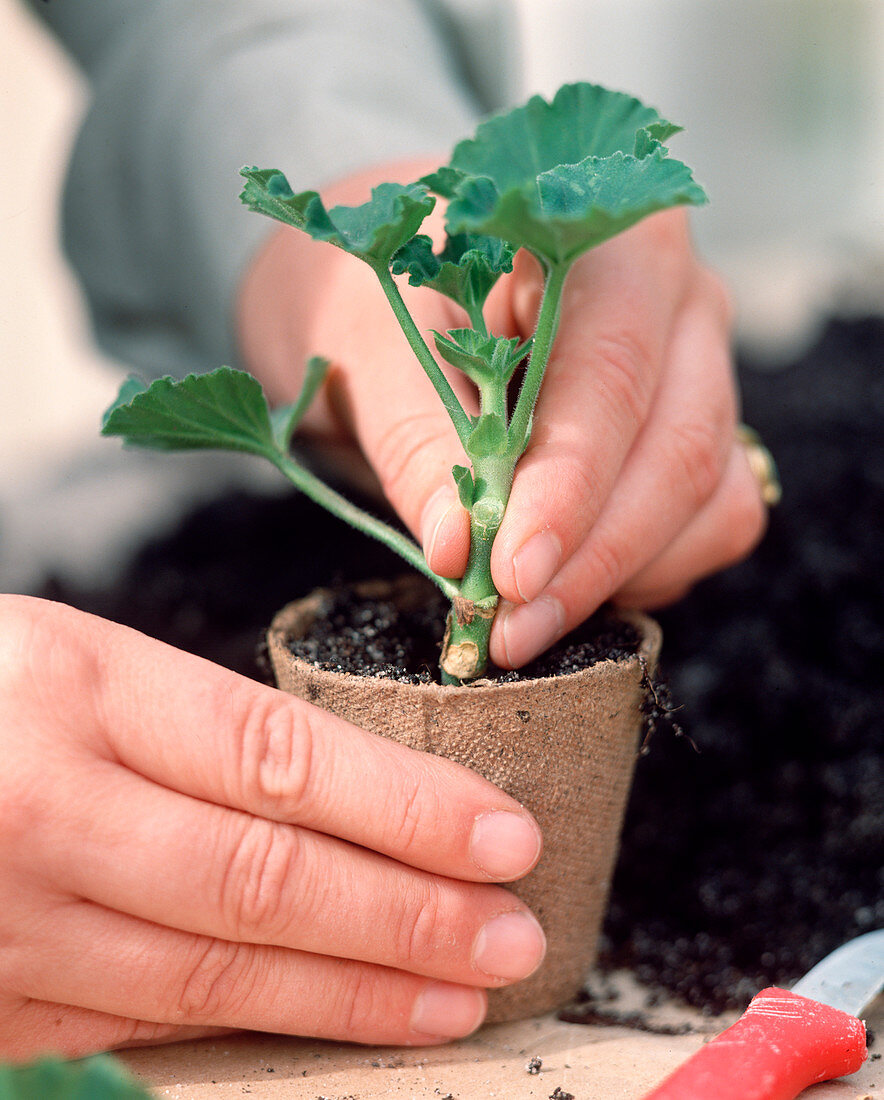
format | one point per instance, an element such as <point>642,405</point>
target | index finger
<point>202,730</point>
<point>618,309</point>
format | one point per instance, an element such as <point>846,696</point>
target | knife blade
<point>787,1041</point>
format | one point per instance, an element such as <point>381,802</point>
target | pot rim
<point>649,630</point>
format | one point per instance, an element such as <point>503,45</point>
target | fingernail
<point>509,946</point>
<point>435,512</point>
<point>531,628</point>
<point>505,845</point>
<point>536,563</point>
<point>447,1010</point>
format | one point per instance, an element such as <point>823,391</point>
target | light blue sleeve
<point>184,92</point>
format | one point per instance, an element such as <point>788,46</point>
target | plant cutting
<point>553,178</point>
<point>556,179</point>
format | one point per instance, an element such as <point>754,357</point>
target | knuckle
<point>564,481</point>
<point>610,564</point>
<point>134,1032</point>
<point>408,816</point>
<point>408,443</point>
<point>417,932</point>
<point>277,756</point>
<point>625,374</point>
<point>219,980</point>
<point>361,1003</point>
<point>257,881</point>
<point>699,459</point>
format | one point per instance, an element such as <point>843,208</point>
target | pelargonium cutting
<point>554,178</point>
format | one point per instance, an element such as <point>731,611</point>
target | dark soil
<point>380,637</point>
<point>754,845</point>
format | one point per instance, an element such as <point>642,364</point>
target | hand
<point>183,850</point>
<point>633,485</point>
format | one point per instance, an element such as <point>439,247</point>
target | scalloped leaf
<point>559,178</point>
<point>224,409</point>
<point>97,1078</point>
<point>372,231</point>
<point>465,271</point>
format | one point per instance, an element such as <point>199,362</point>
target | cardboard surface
<point>590,1062</point>
<point>564,747</point>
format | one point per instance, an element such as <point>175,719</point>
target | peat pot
<point>565,747</point>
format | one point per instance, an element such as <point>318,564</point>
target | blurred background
<point>782,103</point>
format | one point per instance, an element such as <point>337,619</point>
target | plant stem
<point>465,649</point>
<point>544,335</point>
<point>324,495</point>
<point>425,357</point>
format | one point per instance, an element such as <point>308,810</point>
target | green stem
<point>324,495</point>
<point>465,651</point>
<point>544,335</point>
<point>425,357</point>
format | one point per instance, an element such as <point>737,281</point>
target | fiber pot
<point>565,747</point>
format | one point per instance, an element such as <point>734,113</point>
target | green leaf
<point>466,488</point>
<point>373,231</point>
<point>488,437</point>
<point>285,419</point>
<point>481,357</point>
<point>417,259</point>
<point>559,178</point>
<point>465,270</point>
<point>98,1078</point>
<point>224,409</point>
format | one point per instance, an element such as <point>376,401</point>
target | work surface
<point>591,1062</point>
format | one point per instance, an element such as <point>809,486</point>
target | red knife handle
<point>781,1045</point>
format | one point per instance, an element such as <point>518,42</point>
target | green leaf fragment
<point>417,259</point>
<point>466,488</point>
<point>465,270</point>
<point>224,409</point>
<point>559,178</point>
<point>488,437</point>
<point>98,1078</point>
<point>372,231</point>
<point>481,357</point>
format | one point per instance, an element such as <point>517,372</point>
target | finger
<point>204,731</point>
<point>389,404</point>
<point>674,467</point>
<point>122,966</point>
<point>29,1028</point>
<point>617,313</point>
<point>243,879</point>
<point>723,533</point>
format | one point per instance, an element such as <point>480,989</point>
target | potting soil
<point>754,844</point>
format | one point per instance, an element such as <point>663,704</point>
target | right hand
<point>183,850</point>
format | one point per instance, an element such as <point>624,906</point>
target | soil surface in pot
<point>753,846</point>
<point>367,636</point>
